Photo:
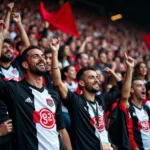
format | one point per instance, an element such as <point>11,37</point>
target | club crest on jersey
<point>144,125</point>
<point>45,118</point>
<point>50,102</point>
<point>100,126</point>
<point>100,108</point>
<point>15,71</point>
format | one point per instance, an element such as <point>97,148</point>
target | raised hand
<point>129,61</point>
<point>46,24</point>
<point>16,17</point>
<point>3,30</point>
<point>2,25</point>
<point>10,6</point>
<point>89,39</point>
<point>54,44</point>
<point>108,70</point>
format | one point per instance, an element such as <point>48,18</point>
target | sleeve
<point>70,100</point>
<point>118,127</point>
<point>17,63</point>
<point>109,98</point>
<point>129,124</point>
<point>120,85</point>
<point>59,117</point>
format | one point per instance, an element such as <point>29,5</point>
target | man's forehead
<point>6,43</point>
<point>35,51</point>
<point>138,82</point>
<point>91,73</point>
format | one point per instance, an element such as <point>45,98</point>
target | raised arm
<point>82,48</point>
<point>22,32</point>
<point>112,73</point>
<point>3,34</point>
<point>44,33</point>
<point>125,93</point>
<point>8,15</point>
<point>56,75</point>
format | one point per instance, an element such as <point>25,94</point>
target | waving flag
<point>146,38</point>
<point>62,19</point>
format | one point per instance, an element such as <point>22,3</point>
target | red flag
<point>44,13</point>
<point>62,19</point>
<point>146,38</point>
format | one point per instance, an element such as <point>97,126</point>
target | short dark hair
<point>79,56</point>
<point>8,41</point>
<point>80,73</point>
<point>47,51</point>
<point>24,55</point>
<point>147,85</point>
<point>134,79</point>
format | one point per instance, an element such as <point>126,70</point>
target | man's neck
<point>137,102</point>
<point>34,80</point>
<point>89,96</point>
<point>5,64</point>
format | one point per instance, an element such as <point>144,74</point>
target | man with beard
<point>87,111</point>
<point>11,69</point>
<point>36,111</point>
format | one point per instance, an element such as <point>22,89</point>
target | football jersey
<point>89,131</point>
<point>13,72</point>
<point>72,87</point>
<point>141,125</point>
<point>10,73</point>
<point>36,114</point>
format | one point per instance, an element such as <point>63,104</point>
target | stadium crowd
<point>57,91</point>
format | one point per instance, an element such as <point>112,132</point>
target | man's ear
<point>25,65</point>
<point>131,90</point>
<point>81,83</point>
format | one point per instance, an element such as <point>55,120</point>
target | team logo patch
<point>45,118</point>
<point>100,108</point>
<point>144,125</point>
<point>100,126</point>
<point>15,71</point>
<point>50,102</point>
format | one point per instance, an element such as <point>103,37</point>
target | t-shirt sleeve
<point>70,99</point>
<point>59,117</point>
<point>17,63</point>
<point>109,98</point>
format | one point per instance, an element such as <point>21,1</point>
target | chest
<point>10,74</point>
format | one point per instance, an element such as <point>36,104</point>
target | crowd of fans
<point>112,49</point>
